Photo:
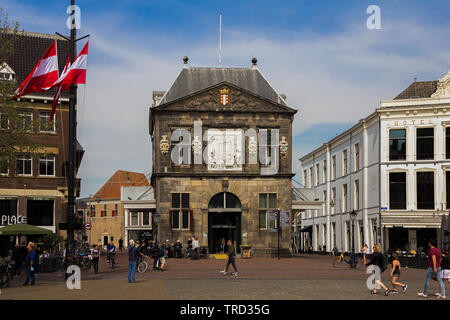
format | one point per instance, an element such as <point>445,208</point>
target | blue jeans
<point>438,277</point>
<point>30,274</point>
<point>131,271</point>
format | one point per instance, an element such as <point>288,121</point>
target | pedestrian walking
<point>17,257</point>
<point>395,274</point>
<point>231,259</point>
<point>29,263</point>
<point>95,258</point>
<point>196,248</point>
<point>445,266</point>
<point>364,252</point>
<point>378,259</point>
<point>120,244</point>
<point>132,259</point>
<point>434,269</point>
<point>155,255</point>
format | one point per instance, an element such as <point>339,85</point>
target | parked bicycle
<point>340,260</point>
<point>6,271</point>
<point>142,264</point>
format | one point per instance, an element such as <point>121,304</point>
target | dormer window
<point>6,73</point>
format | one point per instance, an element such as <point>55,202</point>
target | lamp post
<point>353,215</point>
<point>155,217</point>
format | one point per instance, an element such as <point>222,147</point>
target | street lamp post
<point>353,215</point>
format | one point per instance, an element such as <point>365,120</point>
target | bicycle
<point>340,260</point>
<point>6,273</point>
<point>142,265</point>
<point>112,258</point>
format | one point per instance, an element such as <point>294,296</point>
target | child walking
<point>395,274</point>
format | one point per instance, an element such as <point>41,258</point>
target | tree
<point>16,125</point>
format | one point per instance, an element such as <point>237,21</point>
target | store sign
<point>10,220</point>
<point>285,218</point>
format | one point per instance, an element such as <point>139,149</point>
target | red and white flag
<point>43,75</point>
<point>76,73</point>
<point>58,93</point>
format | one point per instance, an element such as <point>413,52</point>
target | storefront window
<point>8,209</point>
<point>40,212</point>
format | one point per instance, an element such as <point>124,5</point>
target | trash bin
<point>46,265</point>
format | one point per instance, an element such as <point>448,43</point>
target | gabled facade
<point>211,171</point>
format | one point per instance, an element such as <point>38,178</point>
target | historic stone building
<point>222,158</point>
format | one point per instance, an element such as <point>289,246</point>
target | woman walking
<point>378,260</point>
<point>395,274</point>
<point>95,257</point>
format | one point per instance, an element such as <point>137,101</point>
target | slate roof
<point>418,89</point>
<point>111,189</point>
<point>194,79</point>
<point>28,48</point>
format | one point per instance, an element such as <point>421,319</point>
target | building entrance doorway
<point>224,222</point>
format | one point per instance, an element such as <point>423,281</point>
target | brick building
<point>34,186</point>
<point>221,142</point>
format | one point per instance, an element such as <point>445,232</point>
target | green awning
<point>22,229</point>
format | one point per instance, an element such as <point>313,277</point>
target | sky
<point>321,54</point>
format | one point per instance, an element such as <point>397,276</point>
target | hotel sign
<point>413,122</point>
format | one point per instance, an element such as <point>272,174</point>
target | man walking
<point>29,263</point>
<point>434,269</point>
<point>120,244</point>
<point>231,255</point>
<point>132,259</point>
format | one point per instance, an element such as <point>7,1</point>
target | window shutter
<point>102,213</point>
<point>191,220</point>
<point>171,217</point>
<point>91,214</point>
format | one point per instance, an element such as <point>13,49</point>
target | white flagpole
<point>220,40</point>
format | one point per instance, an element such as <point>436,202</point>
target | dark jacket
<point>231,251</point>
<point>132,254</point>
<point>378,260</point>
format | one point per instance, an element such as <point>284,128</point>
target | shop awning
<point>22,229</point>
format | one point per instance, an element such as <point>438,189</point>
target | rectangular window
<point>325,204</point>
<point>146,218</point>
<point>4,122</point>
<point>425,190</point>
<point>181,215</point>
<point>26,120</point>
<point>24,165</point>
<point>333,168</point>
<point>447,143</point>
<point>311,181</point>
<point>397,190</point>
<point>357,157</point>
<point>267,201</point>
<point>344,163</point>
<point>105,212</point>
<point>304,179</point>
<point>356,195</point>
<point>333,200</point>
<point>4,167</point>
<point>324,179</point>
<point>397,144</point>
<point>447,188</point>
<point>348,244</point>
<point>44,124</point>
<point>47,165</point>
<point>317,174</point>
<point>40,212</point>
<point>92,211</point>
<point>425,143</point>
<point>134,218</point>
<point>344,198</point>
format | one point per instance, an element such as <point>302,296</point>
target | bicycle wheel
<point>143,266</point>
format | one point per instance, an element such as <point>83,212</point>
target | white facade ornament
<point>164,145</point>
<point>252,146</point>
<point>443,87</point>
<point>283,146</point>
<point>197,145</point>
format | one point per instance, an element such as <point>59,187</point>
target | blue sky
<point>332,68</point>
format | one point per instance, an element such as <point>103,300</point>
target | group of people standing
<point>435,270</point>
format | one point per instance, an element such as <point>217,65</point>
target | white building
<point>139,206</point>
<point>391,168</point>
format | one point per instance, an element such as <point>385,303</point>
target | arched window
<point>224,200</point>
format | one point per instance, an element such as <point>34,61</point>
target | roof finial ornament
<point>185,59</point>
<point>254,61</point>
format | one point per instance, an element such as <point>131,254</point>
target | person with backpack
<point>434,269</point>
<point>379,260</point>
<point>395,274</point>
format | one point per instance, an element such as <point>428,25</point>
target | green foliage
<point>50,241</point>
